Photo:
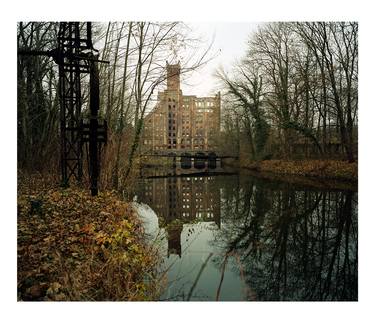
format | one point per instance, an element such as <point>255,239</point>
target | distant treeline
<point>295,93</point>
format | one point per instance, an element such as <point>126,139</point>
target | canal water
<point>237,238</point>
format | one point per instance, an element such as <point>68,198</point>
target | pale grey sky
<point>229,43</point>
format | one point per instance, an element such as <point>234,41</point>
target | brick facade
<point>181,122</point>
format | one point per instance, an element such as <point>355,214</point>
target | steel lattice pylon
<point>76,57</point>
<point>71,68</point>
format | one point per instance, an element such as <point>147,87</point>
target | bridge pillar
<point>185,161</point>
<point>212,160</point>
<point>199,161</point>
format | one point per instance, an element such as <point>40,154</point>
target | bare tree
<point>335,45</point>
<point>246,92</point>
<point>309,74</point>
<point>37,95</point>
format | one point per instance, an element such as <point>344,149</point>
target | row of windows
<point>186,103</point>
<point>156,141</point>
<point>187,179</point>
<point>172,198</point>
<point>185,131</point>
<point>205,103</point>
<point>188,140</point>
<point>199,214</point>
<point>205,110</point>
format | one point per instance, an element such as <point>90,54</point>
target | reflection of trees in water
<point>292,244</point>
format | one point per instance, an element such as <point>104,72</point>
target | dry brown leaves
<point>72,246</point>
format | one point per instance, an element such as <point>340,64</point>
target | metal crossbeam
<point>75,57</point>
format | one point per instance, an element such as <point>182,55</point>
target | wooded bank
<point>320,169</point>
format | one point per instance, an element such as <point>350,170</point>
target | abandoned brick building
<point>181,122</point>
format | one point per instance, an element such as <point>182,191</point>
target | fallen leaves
<point>72,246</point>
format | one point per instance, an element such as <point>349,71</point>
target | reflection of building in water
<point>179,200</point>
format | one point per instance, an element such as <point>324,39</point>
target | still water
<point>234,238</point>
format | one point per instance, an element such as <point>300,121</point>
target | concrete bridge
<point>191,159</point>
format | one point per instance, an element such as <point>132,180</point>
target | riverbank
<point>72,246</point>
<point>320,169</point>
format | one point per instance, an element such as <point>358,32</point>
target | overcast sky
<point>229,44</point>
